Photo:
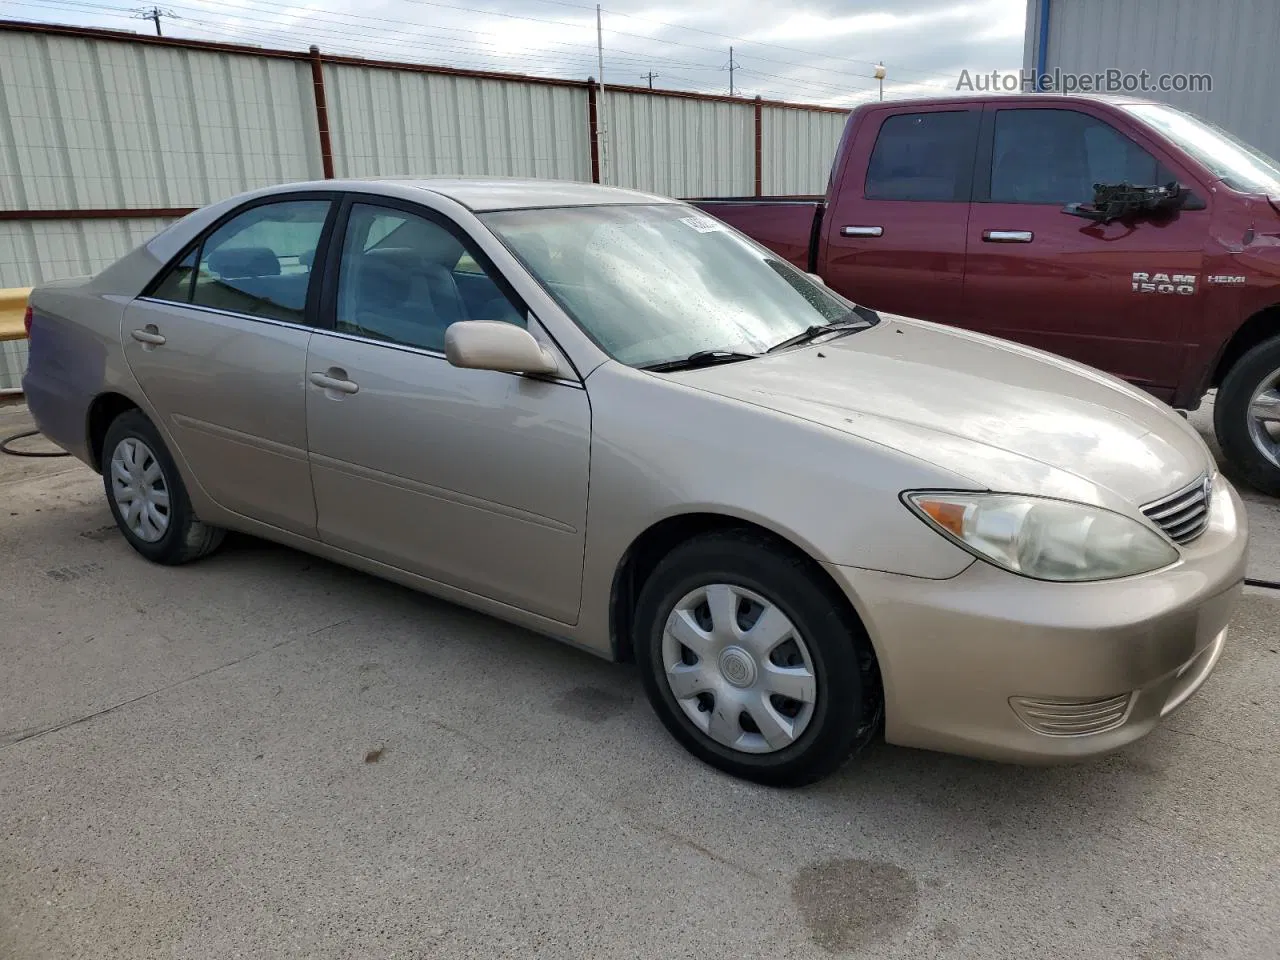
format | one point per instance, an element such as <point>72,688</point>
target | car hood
<point>995,414</point>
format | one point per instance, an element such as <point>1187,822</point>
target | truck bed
<point>786,225</point>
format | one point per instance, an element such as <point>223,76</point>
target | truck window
<point>923,156</point>
<point>1056,156</point>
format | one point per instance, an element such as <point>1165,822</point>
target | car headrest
<point>400,258</point>
<point>381,283</point>
<point>238,263</point>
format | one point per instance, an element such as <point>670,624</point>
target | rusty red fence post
<point>593,129</point>
<point>322,113</point>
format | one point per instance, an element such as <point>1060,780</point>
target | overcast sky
<point>811,51</point>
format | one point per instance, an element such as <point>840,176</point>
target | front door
<point>472,478</point>
<point>219,346</point>
<point>1125,296</point>
<point>895,238</point>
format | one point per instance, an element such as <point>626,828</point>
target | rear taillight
<point>26,321</point>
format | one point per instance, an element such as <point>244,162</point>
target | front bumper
<point>998,666</point>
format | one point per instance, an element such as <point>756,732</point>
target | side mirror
<point>816,279</point>
<point>495,345</point>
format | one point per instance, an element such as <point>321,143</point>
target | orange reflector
<point>949,516</point>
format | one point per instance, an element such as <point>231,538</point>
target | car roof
<point>482,194</point>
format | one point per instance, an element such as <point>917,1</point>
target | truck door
<point>894,236</point>
<point>1124,297</point>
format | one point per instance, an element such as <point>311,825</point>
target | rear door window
<point>258,263</point>
<point>923,156</point>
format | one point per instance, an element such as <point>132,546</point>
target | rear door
<point>1122,297</point>
<point>219,346</point>
<point>895,233</point>
<point>472,478</point>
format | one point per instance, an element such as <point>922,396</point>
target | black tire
<point>848,706</point>
<point>1231,416</point>
<point>186,538</point>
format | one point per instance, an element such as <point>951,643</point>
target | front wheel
<point>1246,416</point>
<point>753,663</point>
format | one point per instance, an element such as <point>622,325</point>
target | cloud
<point>818,51</point>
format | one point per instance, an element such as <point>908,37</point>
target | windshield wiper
<point>700,358</point>
<point>851,322</point>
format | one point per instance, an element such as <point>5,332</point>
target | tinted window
<point>257,263</point>
<point>405,279</point>
<point>1056,156</point>
<point>176,284</point>
<point>923,156</point>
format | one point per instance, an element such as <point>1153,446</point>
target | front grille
<point>1071,718</point>
<point>1182,515</point>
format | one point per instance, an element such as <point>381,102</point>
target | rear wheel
<point>753,663</point>
<point>1246,416</point>
<point>146,495</point>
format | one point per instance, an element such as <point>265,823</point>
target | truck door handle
<point>149,335</point>
<point>1007,236</point>
<point>862,231</point>
<point>334,381</point>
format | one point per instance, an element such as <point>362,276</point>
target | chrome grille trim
<point>1184,514</point>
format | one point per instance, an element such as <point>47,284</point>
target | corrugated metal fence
<point>106,136</point>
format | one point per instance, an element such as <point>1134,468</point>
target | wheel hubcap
<point>139,489</point>
<point>739,669</point>
<point>1264,417</point>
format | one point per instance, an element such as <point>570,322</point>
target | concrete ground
<point>265,755</point>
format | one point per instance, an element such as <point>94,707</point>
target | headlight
<point>1044,539</point>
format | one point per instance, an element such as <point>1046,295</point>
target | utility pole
<point>731,66</point>
<point>153,14</point>
<point>602,126</point>
<point>650,76</point>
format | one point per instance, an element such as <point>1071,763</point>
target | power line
<point>743,40</point>
<point>339,31</point>
<point>153,14</point>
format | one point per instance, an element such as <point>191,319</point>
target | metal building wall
<point>87,124</point>
<point>677,146</point>
<point>1235,41</point>
<point>34,251</point>
<point>402,123</point>
<point>797,149</point>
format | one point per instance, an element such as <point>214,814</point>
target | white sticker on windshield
<point>702,224</point>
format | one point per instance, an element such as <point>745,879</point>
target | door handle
<point>1007,236</point>
<point>862,231</point>
<point>334,381</point>
<point>149,336</point>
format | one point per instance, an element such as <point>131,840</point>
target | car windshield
<point>656,283</point>
<point>1240,166</point>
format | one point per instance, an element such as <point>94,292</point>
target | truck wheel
<point>1246,416</point>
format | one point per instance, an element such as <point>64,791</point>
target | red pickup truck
<point>1121,233</point>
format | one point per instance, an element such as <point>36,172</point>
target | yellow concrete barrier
<point>13,306</point>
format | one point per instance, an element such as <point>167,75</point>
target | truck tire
<point>1246,416</point>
